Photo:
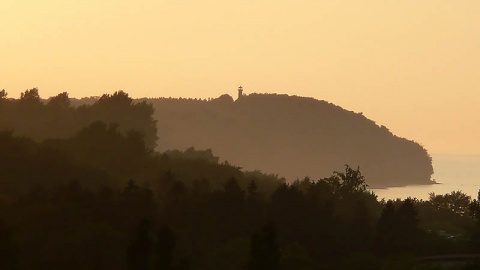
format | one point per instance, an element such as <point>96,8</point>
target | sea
<point>451,172</point>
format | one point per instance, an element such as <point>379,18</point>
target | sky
<point>412,66</point>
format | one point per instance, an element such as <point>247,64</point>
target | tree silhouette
<point>407,223</point>
<point>140,252</point>
<point>3,94</point>
<point>31,96</point>
<point>8,251</point>
<point>252,188</point>
<point>164,249</point>
<point>119,108</point>
<point>360,228</point>
<point>385,234</point>
<point>165,183</point>
<point>474,209</point>
<point>59,101</point>
<point>398,231</point>
<point>346,183</point>
<point>29,116</point>
<point>233,191</point>
<point>264,250</point>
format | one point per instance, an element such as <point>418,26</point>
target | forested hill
<point>292,136</point>
<point>286,135</point>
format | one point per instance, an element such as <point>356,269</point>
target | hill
<point>99,142</point>
<point>286,135</point>
<point>292,136</point>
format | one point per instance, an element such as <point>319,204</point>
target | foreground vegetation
<point>101,198</point>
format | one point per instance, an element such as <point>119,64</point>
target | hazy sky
<point>413,66</point>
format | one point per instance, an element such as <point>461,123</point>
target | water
<point>452,172</point>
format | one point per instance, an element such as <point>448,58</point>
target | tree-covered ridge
<point>101,198</point>
<point>55,117</point>
<point>289,135</point>
<point>292,136</point>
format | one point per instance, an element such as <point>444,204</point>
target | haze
<point>409,65</point>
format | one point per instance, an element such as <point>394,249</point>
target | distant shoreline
<point>433,182</point>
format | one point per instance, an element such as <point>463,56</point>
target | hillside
<point>60,117</point>
<point>292,136</point>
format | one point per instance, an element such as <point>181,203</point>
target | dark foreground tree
<point>407,232</point>
<point>7,249</point>
<point>385,231</point>
<point>164,249</point>
<point>475,230</point>
<point>397,230</point>
<point>264,250</point>
<point>140,253</point>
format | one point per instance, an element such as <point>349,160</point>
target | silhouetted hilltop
<point>62,117</point>
<point>290,135</point>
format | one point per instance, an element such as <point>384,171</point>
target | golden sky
<point>410,65</point>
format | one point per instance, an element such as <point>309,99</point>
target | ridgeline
<point>292,136</point>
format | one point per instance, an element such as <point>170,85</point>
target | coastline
<point>432,183</point>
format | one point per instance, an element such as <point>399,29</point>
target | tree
<point>136,202</point>
<point>177,192</point>
<point>397,231</point>
<point>60,101</point>
<point>385,230</point>
<point>233,191</point>
<point>7,249</point>
<point>3,94</point>
<point>30,96</point>
<point>455,201</point>
<point>408,231</point>
<point>264,250</point>
<point>348,182</point>
<point>252,189</point>
<point>194,154</point>
<point>119,108</point>
<point>360,227</point>
<point>200,187</point>
<point>475,237</point>
<point>256,252</point>
<point>407,216</point>
<point>117,99</point>
<point>165,183</point>
<point>164,248</point>
<point>140,252</point>
<point>475,231</point>
<point>474,208</point>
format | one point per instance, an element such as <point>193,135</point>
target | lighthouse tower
<point>240,92</point>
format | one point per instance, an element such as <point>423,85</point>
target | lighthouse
<point>240,92</point>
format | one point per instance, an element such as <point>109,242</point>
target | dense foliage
<point>102,199</point>
<point>55,118</point>
<point>292,136</point>
<point>70,205</point>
